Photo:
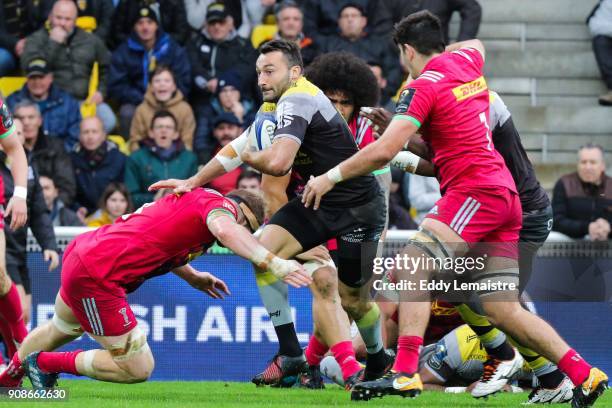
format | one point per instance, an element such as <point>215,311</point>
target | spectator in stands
<point>71,54</point>
<point>228,100</point>
<point>18,19</point>
<point>385,100</point>
<point>61,114</point>
<point>97,162</point>
<point>197,9</point>
<point>225,129</point>
<point>215,49</point>
<point>320,16</point>
<point>60,214</point>
<point>600,24</point>
<point>162,94</point>
<point>114,202</point>
<point>399,209</point>
<point>16,240</point>
<point>45,154</point>
<point>99,11</point>
<point>353,38</point>
<point>290,22</point>
<point>249,180</point>
<point>170,14</point>
<point>135,60</point>
<point>582,201</point>
<point>470,11</point>
<point>423,192</point>
<point>162,155</point>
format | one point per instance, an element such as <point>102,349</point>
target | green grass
<point>93,394</point>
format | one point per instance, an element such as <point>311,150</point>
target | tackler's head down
<point>251,207</point>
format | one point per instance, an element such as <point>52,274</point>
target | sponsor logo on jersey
<point>284,114</point>
<point>404,101</point>
<point>470,89</point>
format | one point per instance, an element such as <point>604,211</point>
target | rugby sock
<point>7,336</point>
<point>548,374</point>
<point>408,350</point>
<point>315,351</point>
<point>345,356</point>
<point>274,294</point>
<point>492,339</point>
<point>573,365</point>
<point>11,377</point>
<point>10,310</point>
<point>58,361</point>
<point>369,328</point>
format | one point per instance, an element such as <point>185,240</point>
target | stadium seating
<point>542,63</point>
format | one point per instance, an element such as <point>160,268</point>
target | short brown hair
<point>421,30</point>
<point>289,49</point>
<point>253,201</point>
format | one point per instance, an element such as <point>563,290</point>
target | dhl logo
<point>470,89</point>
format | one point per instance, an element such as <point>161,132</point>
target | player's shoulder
<point>301,87</point>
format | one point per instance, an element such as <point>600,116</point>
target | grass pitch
<point>93,394</point>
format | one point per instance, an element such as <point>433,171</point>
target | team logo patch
<point>405,99</point>
<point>470,89</point>
<point>5,116</point>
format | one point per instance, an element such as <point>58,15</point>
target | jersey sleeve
<point>415,103</point>
<point>293,115</point>
<point>214,208</point>
<point>473,56</point>
<point>6,121</point>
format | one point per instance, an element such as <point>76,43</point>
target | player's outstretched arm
<point>475,43</point>
<point>242,243</point>
<point>202,281</point>
<point>17,206</point>
<point>372,157</point>
<point>226,160</point>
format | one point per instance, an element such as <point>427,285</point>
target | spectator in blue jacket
<point>60,111</point>
<point>136,59</point>
<point>97,162</point>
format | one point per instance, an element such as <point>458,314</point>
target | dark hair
<point>285,4</point>
<point>164,114</point>
<point>421,30</point>
<point>252,200</point>
<point>591,145</point>
<point>162,68</point>
<point>290,51</point>
<point>111,189</point>
<point>357,6</point>
<point>342,71</point>
<point>247,174</point>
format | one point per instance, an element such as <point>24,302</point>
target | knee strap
<point>135,344</point>
<point>71,329</point>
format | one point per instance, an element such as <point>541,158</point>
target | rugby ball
<point>261,131</point>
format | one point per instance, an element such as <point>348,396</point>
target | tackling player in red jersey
<point>449,102</point>
<point>100,267</point>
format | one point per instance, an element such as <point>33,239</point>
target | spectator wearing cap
<point>97,162</point>
<point>162,94</point>
<point>161,156</point>
<point>353,38</point>
<point>18,19</point>
<point>600,25</point>
<point>170,14</point>
<point>60,111</point>
<point>100,11</point>
<point>469,10</point>
<point>70,54</point>
<point>321,16</point>
<point>196,11</point>
<point>290,22</point>
<point>582,201</point>
<point>226,128</point>
<point>228,100</point>
<point>45,154</point>
<point>215,49</point>
<point>133,62</point>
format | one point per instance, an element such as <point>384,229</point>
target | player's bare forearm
<point>275,160</point>
<point>208,173</point>
<point>419,147</point>
<point>234,237</point>
<point>425,168</point>
<point>379,153</point>
<point>275,192</point>
<point>19,162</point>
<point>184,272</point>
<point>475,43</point>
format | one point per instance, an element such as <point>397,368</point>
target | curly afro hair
<point>341,71</point>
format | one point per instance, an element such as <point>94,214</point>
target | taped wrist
<point>229,156</point>
<point>406,161</point>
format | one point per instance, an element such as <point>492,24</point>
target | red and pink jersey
<point>449,101</point>
<point>153,240</point>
